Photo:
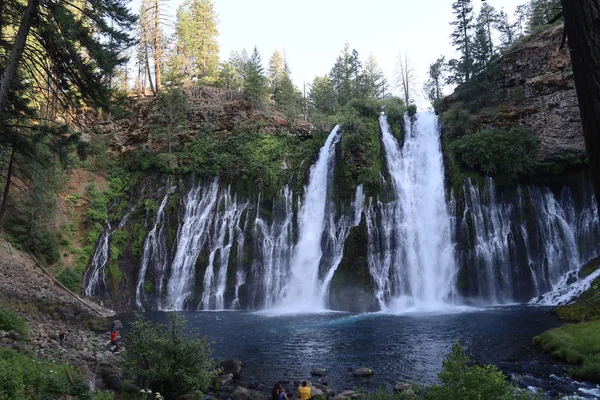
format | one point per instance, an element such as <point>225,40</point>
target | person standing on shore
<point>61,338</point>
<point>276,391</point>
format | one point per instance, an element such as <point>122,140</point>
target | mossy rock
<point>589,268</point>
<point>585,308</point>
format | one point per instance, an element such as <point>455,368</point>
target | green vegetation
<point>577,344</point>
<point>590,267</point>
<point>10,321</point>
<point>71,279</point>
<point>585,308</point>
<point>460,380</point>
<point>496,151</point>
<point>26,378</point>
<point>171,358</point>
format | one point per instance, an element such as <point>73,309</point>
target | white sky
<point>313,32</point>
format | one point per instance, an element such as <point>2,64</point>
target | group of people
<point>278,393</point>
<point>114,335</point>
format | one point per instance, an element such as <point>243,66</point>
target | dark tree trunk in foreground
<point>7,187</point>
<point>582,23</point>
<point>17,51</point>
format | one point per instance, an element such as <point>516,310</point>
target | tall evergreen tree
<point>275,74</point>
<point>255,82</point>
<point>435,83</point>
<point>341,76</point>
<point>462,38</point>
<point>507,29</point>
<point>229,77</point>
<point>482,48</point>
<point>522,14</point>
<point>289,98</point>
<point>322,96</point>
<point>197,38</point>
<point>375,84</point>
<point>542,11</point>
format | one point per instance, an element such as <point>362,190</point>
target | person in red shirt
<point>113,340</point>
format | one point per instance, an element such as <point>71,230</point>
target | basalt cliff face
<point>532,86</point>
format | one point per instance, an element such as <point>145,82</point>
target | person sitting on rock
<point>304,391</point>
<point>283,395</point>
<point>61,338</point>
<point>276,391</point>
<point>113,341</point>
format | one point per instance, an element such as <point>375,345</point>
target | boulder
<point>233,367</point>
<point>401,387</point>
<point>131,388</point>
<point>225,379</point>
<point>16,336</point>
<point>324,388</point>
<point>318,371</point>
<point>362,372</point>
<point>240,393</point>
<point>114,382</point>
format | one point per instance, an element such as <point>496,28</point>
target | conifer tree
<point>462,40</point>
<point>375,84</point>
<point>197,39</point>
<point>542,11</point>
<point>341,76</point>
<point>508,30</point>
<point>435,84</point>
<point>289,98</point>
<point>255,82</point>
<point>275,74</point>
<point>322,96</point>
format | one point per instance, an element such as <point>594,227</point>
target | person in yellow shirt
<point>304,391</point>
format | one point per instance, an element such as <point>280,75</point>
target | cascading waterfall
<point>155,252</point>
<point>191,237</point>
<point>301,291</point>
<point>423,253</point>
<point>94,277</point>
<point>240,275</point>
<point>548,233</point>
<point>222,236</point>
<point>275,241</point>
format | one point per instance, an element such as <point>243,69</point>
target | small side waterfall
<point>301,292</point>
<point>191,236</point>
<point>155,252</point>
<point>94,278</point>
<point>420,251</point>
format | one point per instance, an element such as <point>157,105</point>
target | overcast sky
<point>313,32</point>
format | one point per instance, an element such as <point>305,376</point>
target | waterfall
<point>94,273</point>
<point>423,253</point>
<point>222,236</point>
<point>525,248</point>
<point>191,236</point>
<point>155,252</point>
<point>275,242</point>
<point>301,291</point>
<point>240,275</point>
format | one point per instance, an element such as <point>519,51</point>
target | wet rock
<point>401,387</point>
<point>130,388</point>
<point>225,379</point>
<point>240,393</point>
<point>114,382</point>
<point>318,371</point>
<point>106,371</point>
<point>323,388</point>
<point>16,336</point>
<point>362,372</point>
<point>233,367</point>
<point>99,384</point>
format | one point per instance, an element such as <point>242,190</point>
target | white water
<point>302,289</point>
<point>95,272</point>
<point>222,236</point>
<point>423,257</point>
<point>191,235</point>
<point>155,252</point>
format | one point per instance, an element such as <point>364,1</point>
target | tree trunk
<point>17,51</point>
<point>7,187</point>
<point>582,23</point>
<point>157,45</point>
<point>148,70</point>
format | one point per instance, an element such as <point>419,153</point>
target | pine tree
<point>341,76</point>
<point>482,48</point>
<point>435,84</point>
<point>522,14</point>
<point>462,40</point>
<point>229,77</point>
<point>322,96</point>
<point>289,98</point>
<point>542,11</point>
<point>375,84</point>
<point>508,30</point>
<point>255,82</point>
<point>275,74</point>
<point>197,38</point>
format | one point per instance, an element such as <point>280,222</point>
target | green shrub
<point>172,358</point>
<point>498,151</point>
<point>577,344</point>
<point>71,279</point>
<point>22,377</point>
<point>457,122</point>
<point>10,321</point>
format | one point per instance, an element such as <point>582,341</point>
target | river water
<point>397,347</point>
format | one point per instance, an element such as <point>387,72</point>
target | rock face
<point>537,91</point>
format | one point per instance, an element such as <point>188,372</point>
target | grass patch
<point>10,321</point>
<point>577,344</point>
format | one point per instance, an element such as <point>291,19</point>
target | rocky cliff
<point>532,86</point>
